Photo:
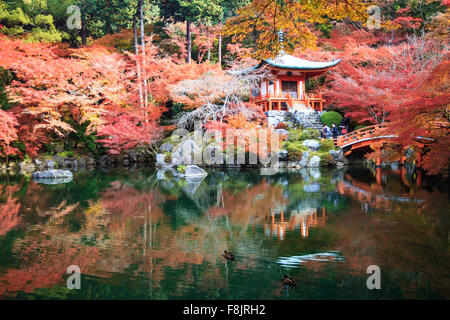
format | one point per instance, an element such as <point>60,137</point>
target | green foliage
<point>325,28</point>
<point>42,20</point>
<point>295,150</point>
<point>331,117</point>
<point>181,168</point>
<point>360,127</point>
<point>66,154</point>
<point>32,19</point>
<point>299,135</point>
<point>46,36</point>
<point>326,145</point>
<point>326,159</point>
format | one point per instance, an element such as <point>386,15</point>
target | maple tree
<point>8,133</point>
<point>294,18</point>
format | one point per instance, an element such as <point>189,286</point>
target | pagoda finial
<point>280,40</point>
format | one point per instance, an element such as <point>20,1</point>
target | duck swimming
<point>228,255</point>
<point>288,281</point>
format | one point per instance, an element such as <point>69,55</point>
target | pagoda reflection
<point>276,224</point>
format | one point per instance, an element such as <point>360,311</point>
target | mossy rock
<point>326,159</point>
<point>327,145</point>
<point>295,150</point>
<point>300,135</point>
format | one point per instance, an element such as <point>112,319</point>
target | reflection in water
<point>134,236</point>
<point>294,261</point>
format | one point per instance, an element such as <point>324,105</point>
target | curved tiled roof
<point>286,61</point>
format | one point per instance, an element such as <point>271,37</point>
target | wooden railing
<point>287,96</point>
<point>362,134</point>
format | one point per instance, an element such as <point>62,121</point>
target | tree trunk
<point>83,28</point>
<point>141,17</point>
<point>138,63</point>
<point>208,56</point>
<point>220,46</point>
<point>189,40</point>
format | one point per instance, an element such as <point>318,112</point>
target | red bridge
<point>374,135</point>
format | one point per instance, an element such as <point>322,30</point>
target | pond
<point>136,237</point>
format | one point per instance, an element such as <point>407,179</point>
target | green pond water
<point>136,237</point>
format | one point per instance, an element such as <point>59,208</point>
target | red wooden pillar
<point>378,175</point>
<point>378,161</point>
<point>298,89</point>
<point>419,159</point>
<point>270,105</point>
<point>404,180</point>
<point>419,177</point>
<point>279,105</point>
<point>323,215</point>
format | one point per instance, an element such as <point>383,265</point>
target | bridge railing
<point>364,133</point>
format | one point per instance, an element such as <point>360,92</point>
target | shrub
<point>295,150</point>
<point>181,168</point>
<point>299,135</point>
<point>326,159</point>
<point>66,154</point>
<point>281,125</point>
<point>168,158</point>
<point>326,145</point>
<point>360,127</point>
<point>331,117</point>
<point>313,134</point>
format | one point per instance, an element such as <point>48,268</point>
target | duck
<point>288,281</point>
<point>228,255</point>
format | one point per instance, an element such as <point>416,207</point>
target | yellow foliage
<point>294,18</point>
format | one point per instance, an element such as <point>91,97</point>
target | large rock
<point>160,160</point>
<point>282,154</point>
<point>282,132</point>
<point>338,155</point>
<point>314,161</point>
<point>51,164</point>
<point>275,113</point>
<point>82,162</point>
<point>52,176</point>
<point>184,152</point>
<point>272,122</point>
<point>305,159</point>
<point>194,172</point>
<point>311,144</point>
<point>166,147</point>
<point>59,160</point>
<point>26,166</point>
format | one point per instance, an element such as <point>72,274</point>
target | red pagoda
<point>285,89</point>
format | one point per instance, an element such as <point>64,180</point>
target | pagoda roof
<point>286,61</point>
